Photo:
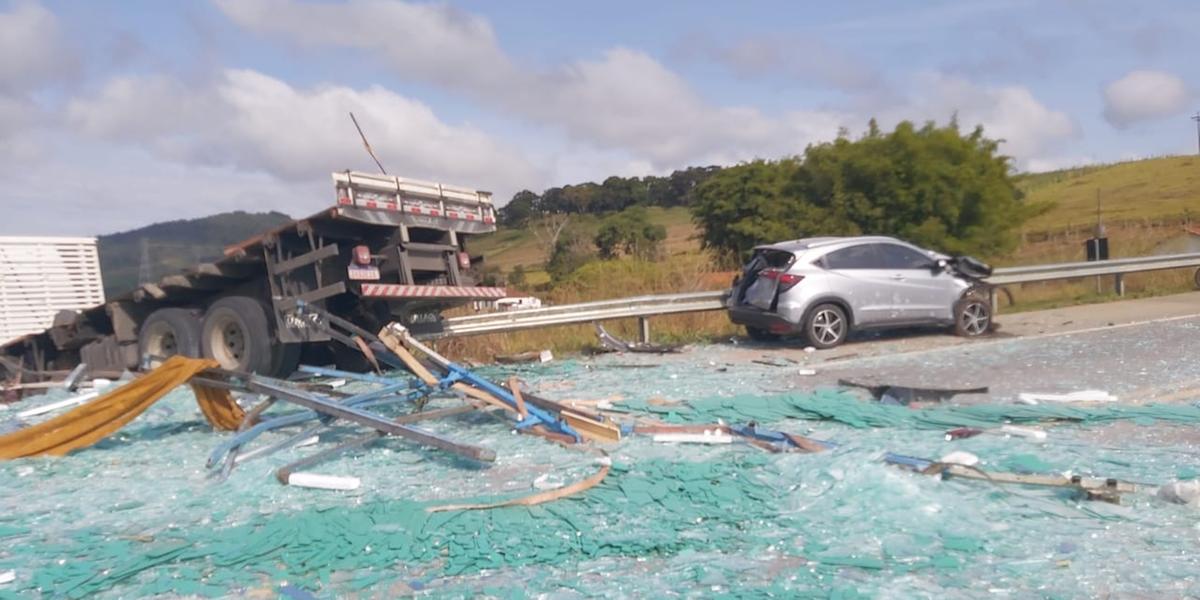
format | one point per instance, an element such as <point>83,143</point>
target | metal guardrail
<point>1119,266</point>
<point>644,307</point>
<point>587,312</point>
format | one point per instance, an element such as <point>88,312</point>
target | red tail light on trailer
<point>362,255</point>
<point>464,260</point>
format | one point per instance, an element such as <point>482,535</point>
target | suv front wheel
<point>826,326</point>
<point>972,317</point>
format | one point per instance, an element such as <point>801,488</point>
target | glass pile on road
<point>139,515</point>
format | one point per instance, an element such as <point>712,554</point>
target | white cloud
<point>433,41</point>
<point>805,59</point>
<point>32,57</point>
<point>1143,96</point>
<point>31,49</point>
<point>625,100</point>
<point>257,123</point>
<point>1030,129</point>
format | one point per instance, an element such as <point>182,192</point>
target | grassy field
<point>1144,203</point>
<point>508,248</point>
<point>1147,190</point>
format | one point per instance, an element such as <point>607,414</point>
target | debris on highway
<point>675,474</point>
<point>904,395</point>
<point>611,343</point>
<point>1080,396</point>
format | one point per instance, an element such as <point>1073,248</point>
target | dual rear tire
<point>234,331</point>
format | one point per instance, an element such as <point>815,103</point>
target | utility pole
<point>145,267</point>
<point>1196,118</point>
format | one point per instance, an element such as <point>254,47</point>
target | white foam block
<point>715,437</point>
<point>324,482</point>
<point>1025,432</point>
<point>959,457</point>
<point>1080,396</point>
<point>80,399</point>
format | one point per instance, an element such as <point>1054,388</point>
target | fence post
<point>1119,284</point>
<point>644,329</point>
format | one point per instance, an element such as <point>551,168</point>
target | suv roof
<point>817,242</point>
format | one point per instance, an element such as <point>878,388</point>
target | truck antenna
<point>367,144</point>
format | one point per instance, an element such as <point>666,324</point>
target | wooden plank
<point>1084,483</point>
<point>591,429</point>
<point>514,386</point>
<point>392,342</point>
<point>151,290</point>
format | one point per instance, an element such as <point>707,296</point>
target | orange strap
<point>96,420</point>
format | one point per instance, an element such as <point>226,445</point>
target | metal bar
<point>327,372</point>
<point>307,258</point>
<point>287,469</point>
<point>361,417</point>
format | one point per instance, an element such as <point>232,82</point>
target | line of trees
<point>615,194</point>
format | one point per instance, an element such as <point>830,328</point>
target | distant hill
<point>176,245</point>
<point>1154,188</point>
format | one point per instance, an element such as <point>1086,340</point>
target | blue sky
<point>115,115</point>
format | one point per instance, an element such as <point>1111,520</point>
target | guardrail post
<point>644,329</point>
<point>1119,284</point>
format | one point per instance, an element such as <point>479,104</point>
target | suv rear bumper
<point>752,316</point>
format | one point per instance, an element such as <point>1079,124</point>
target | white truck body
<point>40,276</point>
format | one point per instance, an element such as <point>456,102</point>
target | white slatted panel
<point>41,276</point>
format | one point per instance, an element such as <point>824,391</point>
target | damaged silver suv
<point>826,288</point>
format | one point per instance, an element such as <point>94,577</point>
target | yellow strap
<point>99,418</point>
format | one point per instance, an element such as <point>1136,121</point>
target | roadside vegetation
<point>936,186</point>
<point>688,231</point>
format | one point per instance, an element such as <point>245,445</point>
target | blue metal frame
<point>536,415</point>
<point>389,394</point>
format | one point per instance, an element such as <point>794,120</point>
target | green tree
<point>933,186</point>
<point>518,211</point>
<point>570,252</point>
<point>516,278</point>
<point>630,232</point>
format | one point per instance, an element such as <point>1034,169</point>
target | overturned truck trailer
<point>391,249</point>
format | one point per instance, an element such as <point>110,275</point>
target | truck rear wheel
<point>237,335</point>
<point>167,332</point>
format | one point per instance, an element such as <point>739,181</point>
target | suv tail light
<point>362,255</point>
<point>785,280</point>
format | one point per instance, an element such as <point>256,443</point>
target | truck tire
<point>236,334</point>
<point>167,332</point>
<point>284,359</point>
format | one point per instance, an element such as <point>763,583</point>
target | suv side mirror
<point>940,265</point>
